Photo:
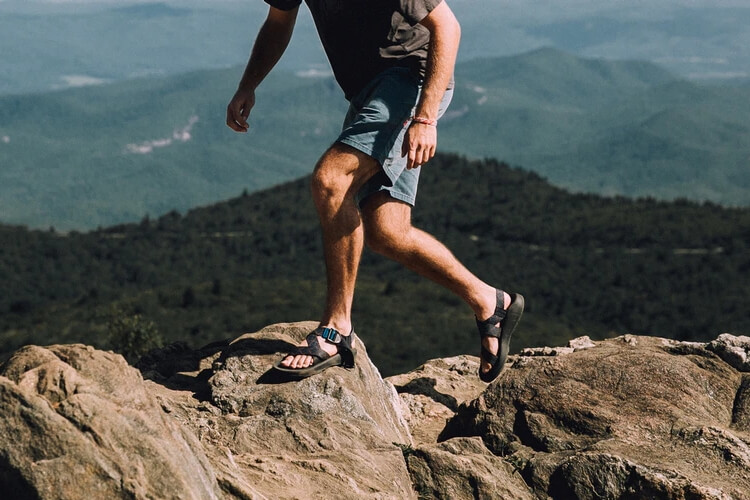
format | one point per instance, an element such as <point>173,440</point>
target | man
<point>394,60</point>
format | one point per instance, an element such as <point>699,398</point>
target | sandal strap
<point>311,349</point>
<point>487,327</point>
<point>343,345</point>
<point>488,356</point>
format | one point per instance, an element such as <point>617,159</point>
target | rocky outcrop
<point>335,435</point>
<point>632,417</point>
<point>81,423</point>
<point>460,468</point>
<point>431,394</point>
<point>734,350</point>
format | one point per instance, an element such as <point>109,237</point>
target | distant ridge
<point>114,153</point>
<point>551,75</point>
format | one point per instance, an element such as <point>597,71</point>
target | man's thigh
<point>342,160</point>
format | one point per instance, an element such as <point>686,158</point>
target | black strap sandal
<point>322,360</point>
<point>507,319</point>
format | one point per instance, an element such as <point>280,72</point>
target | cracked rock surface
<point>630,417</point>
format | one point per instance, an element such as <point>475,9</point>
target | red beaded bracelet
<point>424,121</point>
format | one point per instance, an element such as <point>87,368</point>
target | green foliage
<point>131,335</point>
<point>588,265</point>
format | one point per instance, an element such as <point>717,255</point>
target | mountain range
<point>106,154</point>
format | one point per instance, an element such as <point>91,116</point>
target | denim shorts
<point>376,123</point>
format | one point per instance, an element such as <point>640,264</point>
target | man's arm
<point>269,45</point>
<point>445,33</point>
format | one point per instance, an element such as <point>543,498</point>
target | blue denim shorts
<point>376,123</point>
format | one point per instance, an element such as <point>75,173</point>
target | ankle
<point>487,303</point>
<point>343,327</point>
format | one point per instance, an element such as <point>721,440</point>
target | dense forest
<point>587,264</point>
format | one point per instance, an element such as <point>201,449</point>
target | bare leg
<point>339,174</point>
<point>388,231</point>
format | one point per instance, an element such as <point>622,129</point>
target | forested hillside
<point>587,265</point>
<point>101,155</point>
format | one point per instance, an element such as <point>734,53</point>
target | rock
<point>590,476</point>
<point>462,468</point>
<point>332,435</point>
<point>581,343</point>
<point>629,414</point>
<point>212,423</point>
<point>630,417</point>
<point>741,413</point>
<point>577,344</point>
<point>546,351</point>
<point>430,394</point>
<point>79,423</point>
<point>735,350</point>
<point>628,339</point>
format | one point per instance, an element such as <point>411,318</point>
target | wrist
<point>424,120</point>
<point>246,88</point>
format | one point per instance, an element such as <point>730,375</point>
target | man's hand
<point>420,144</point>
<point>239,109</point>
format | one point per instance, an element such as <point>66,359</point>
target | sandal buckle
<point>331,335</point>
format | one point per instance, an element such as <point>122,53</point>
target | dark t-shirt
<point>364,37</point>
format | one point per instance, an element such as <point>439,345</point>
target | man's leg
<point>388,231</point>
<point>339,174</point>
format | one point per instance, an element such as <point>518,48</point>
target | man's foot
<point>324,347</point>
<point>492,344</point>
<point>304,360</point>
<point>495,332</point>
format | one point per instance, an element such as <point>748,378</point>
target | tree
<point>132,335</point>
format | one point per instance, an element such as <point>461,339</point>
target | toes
<point>301,361</point>
<point>298,362</point>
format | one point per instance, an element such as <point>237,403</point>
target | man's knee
<point>329,176</point>
<point>338,170</point>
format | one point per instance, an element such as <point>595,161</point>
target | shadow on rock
<point>245,346</point>
<point>426,386</point>
<point>180,368</point>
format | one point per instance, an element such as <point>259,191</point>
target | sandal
<point>508,320</point>
<point>344,357</point>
